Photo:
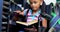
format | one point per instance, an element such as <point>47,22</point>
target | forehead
<point>34,0</point>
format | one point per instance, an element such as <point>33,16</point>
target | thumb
<point>33,26</point>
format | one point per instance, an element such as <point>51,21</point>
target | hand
<point>52,29</point>
<point>31,29</point>
<point>19,12</point>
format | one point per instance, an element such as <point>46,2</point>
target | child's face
<point>35,4</point>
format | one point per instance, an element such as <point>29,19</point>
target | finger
<point>15,11</point>
<point>33,25</point>
<point>27,28</point>
<point>26,10</point>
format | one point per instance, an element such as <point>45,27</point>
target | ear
<point>41,2</point>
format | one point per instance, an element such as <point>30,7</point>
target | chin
<point>34,9</point>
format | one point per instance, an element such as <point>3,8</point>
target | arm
<point>21,13</point>
<point>16,14</point>
<point>44,23</point>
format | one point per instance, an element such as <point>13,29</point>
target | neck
<point>34,11</point>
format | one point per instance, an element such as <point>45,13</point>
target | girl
<point>34,12</point>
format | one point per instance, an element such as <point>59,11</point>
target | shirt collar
<point>37,13</point>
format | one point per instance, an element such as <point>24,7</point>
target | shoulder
<point>43,19</point>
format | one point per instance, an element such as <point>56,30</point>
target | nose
<point>33,4</point>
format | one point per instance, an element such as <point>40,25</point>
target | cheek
<point>35,7</point>
<point>31,6</point>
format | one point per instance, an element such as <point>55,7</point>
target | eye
<point>30,2</point>
<point>35,2</point>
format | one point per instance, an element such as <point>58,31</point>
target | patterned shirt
<point>30,16</point>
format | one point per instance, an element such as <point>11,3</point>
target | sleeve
<point>25,11</point>
<point>42,18</point>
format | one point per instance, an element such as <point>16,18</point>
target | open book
<point>27,24</point>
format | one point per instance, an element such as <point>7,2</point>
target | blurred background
<point>6,10</point>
